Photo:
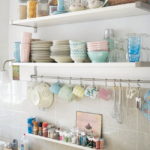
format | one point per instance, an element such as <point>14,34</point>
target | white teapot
<point>95,3</point>
<point>76,6</point>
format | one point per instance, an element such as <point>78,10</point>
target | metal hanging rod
<point>90,79</point>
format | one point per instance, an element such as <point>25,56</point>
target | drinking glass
<point>134,47</point>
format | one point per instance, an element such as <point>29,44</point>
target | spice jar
<point>22,11</point>
<point>45,129</point>
<point>35,127</point>
<point>31,8</point>
<point>40,129</point>
<point>42,8</point>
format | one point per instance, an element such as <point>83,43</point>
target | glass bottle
<point>109,36</point>
<point>42,8</point>
<point>31,8</point>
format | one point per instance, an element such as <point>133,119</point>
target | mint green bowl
<point>98,56</point>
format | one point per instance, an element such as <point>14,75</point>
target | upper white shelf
<point>92,65</point>
<point>118,11</point>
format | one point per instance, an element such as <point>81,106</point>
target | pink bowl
<point>102,45</point>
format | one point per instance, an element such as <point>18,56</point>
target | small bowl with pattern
<point>98,56</point>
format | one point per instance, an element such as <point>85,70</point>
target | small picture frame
<point>91,123</point>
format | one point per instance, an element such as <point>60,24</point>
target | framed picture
<point>90,123</point>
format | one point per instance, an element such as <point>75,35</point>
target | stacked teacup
<point>60,51</point>
<point>78,51</point>
<point>98,51</point>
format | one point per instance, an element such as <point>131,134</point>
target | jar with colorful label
<point>31,8</point>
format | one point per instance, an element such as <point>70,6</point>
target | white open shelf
<point>91,65</point>
<point>59,142</point>
<point>110,12</point>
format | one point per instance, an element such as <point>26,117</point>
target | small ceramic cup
<point>105,93</point>
<point>55,88</point>
<point>66,93</point>
<point>78,91</point>
<point>91,92</point>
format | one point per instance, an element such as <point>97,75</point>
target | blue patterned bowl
<point>79,55</point>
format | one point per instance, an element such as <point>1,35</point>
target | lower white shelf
<point>116,65</point>
<point>60,142</point>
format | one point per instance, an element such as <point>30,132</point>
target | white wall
<point>15,107</point>
<point>4,14</point>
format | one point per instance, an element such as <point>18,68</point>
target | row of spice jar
<point>74,136</point>
<point>39,8</point>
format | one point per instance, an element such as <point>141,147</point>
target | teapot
<point>95,3</point>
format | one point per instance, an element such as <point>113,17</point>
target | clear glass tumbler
<point>134,47</point>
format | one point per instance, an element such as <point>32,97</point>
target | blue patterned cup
<point>55,88</point>
<point>91,92</point>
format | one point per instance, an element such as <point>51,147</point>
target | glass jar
<point>31,8</point>
<point>42,8</point>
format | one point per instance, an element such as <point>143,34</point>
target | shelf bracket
<point>34,27</point>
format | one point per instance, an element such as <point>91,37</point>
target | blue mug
<point>55,88</point>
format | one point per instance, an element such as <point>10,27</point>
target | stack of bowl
<point>40,51</point>
<point>60,51</point>
<point>98,51</point>
<point>78,51</point>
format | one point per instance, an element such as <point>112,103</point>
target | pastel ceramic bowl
<point>66,93</point>
<point>98,56</point>
<point>101,45</point>
<point>78,91</point>
<point>79,55</point>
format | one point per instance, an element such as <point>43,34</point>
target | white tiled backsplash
<point>15,108</point>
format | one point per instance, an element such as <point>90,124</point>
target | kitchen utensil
<point>115,108</point>
<point>120,105</point>
<point>138,99</point>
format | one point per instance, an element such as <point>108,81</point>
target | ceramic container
<point>78,91</point>
<point>24,52</point>
<point>66,93</point>
<point>17,51</point>
<point>26,37</point>
<point>95,3</point>
<point>55,88</point>
<point>98,56</point>
<point>105,93</point>
<point>79,55</point>
<point>97,46</point>
<point>91,92</point>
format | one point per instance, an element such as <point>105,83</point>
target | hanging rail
<point>89,79</point>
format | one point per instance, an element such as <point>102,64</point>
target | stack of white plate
<point>60,51</point>
<point>40,51</point>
